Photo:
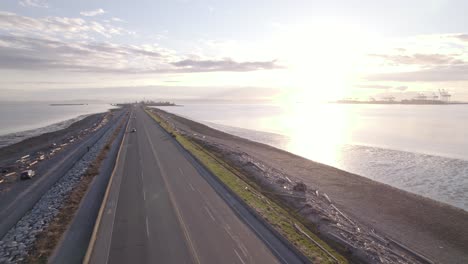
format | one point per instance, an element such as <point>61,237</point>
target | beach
<point>435,230</point>
<point>25,147</point>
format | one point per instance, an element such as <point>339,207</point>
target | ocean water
<point>419,148</point>
<point>21,120</point>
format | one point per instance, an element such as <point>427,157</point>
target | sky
<point>293,50</point>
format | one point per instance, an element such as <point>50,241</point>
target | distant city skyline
<point>278,50</point>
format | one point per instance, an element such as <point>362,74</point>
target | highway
<point>23,195</point>
<point>161,209</point>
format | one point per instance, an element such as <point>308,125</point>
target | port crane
<point>444,95</point>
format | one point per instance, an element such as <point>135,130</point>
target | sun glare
<point>317,131</point>
<point>322,57</point>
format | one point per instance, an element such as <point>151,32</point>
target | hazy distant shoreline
<point>403,102</point>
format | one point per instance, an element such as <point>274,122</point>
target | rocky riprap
<point>15,244</point>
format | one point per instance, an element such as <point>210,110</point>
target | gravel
<point>15,244</point>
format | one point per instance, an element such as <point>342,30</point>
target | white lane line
<point>147,227</point>
<point>201,194</point>
<point>239,257</point>
<point>226,228</point>
<point>236,239</point>
<point>191,186</point>
<point>144,195</point>
<point>263,239</point>
<point>209,213</point>
<point>141,176</point>
<point>181,172</point>
<point>117,183</point>
<point>172,199</point>
<point>243,249</point>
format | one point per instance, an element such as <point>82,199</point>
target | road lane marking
<point>144,195</point>
<point>231,203</point>
<point>239,257</point>
<point>171,198</point>
<point>262,238</point>
<point>105,199</point>
<point>236,240</point>
<point>181,172</point>
<point>226,228</point>
<point>191,186</point>
<point>147,227</point>
<point>209,213</point>
<point>243,249</point>
<point>201,194</point>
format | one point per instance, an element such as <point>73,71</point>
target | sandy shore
<point>435,230</point>
<point>36,143</point>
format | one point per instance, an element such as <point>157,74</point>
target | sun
<point>322,58</point>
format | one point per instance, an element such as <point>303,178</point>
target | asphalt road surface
<point>160,209</point>
<point>25,194</point>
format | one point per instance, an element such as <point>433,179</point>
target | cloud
<point>372,86</point>
<point>401,88</point>
<point>190,65</point>
<point>68,44</point>
<point>59,27</point>
<point>419,59</point>
<point>91,13</point>
<point>380,87</point>
<point>462,37</point>
<point>116,19</point>
<point>435,74</point>
<point>33,3</point>
<point>27,53</point>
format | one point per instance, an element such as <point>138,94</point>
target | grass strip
<point>279,216</point>
<point>48,239</point>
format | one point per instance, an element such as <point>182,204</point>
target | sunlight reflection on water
<point>316,132</point>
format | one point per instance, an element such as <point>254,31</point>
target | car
<point>134,130</point>
<point>27,174</point>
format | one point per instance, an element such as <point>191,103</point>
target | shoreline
<point>40,118</point>
<point>18,136</point>
<point>425,167</point>
<point>43,140</point>
<point>437,231</point>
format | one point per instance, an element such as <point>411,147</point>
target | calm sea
<point>20,120</point>
<point>419,148</point>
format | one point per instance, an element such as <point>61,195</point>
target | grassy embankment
<point>270,209</point>
<point>48,239</point>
